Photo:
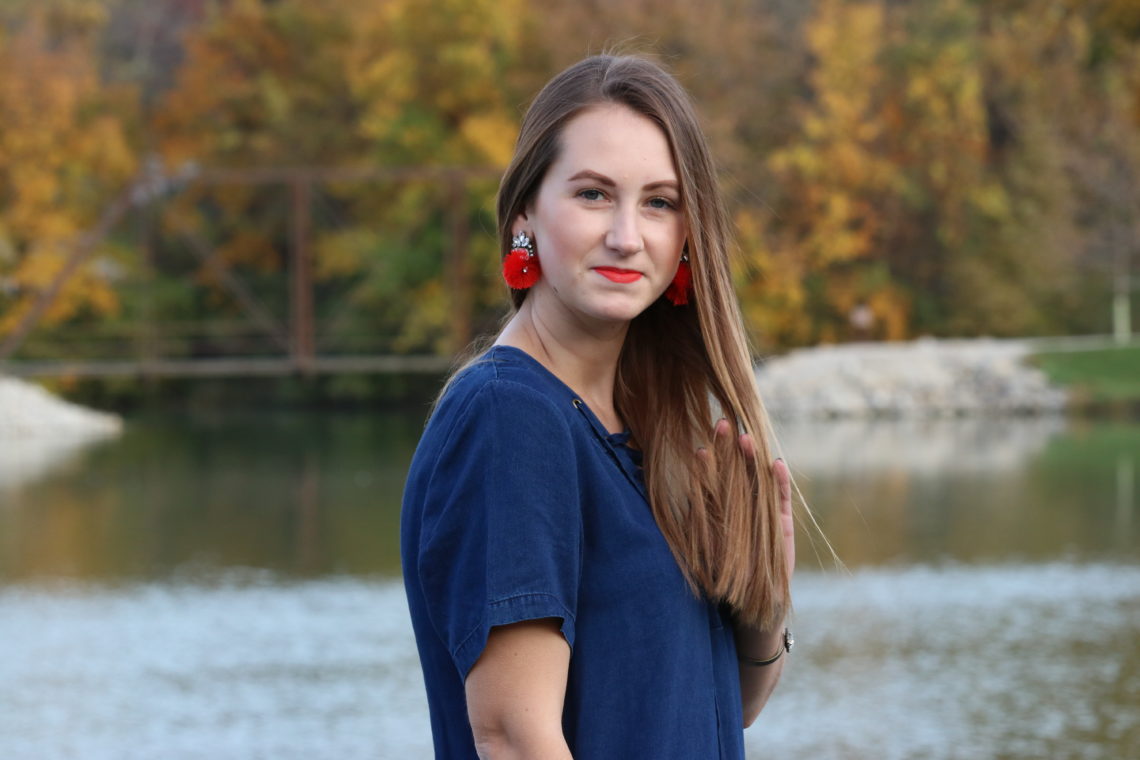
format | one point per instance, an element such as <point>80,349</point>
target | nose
<point>624,235</point>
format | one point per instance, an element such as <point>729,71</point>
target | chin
<point>623,311</point>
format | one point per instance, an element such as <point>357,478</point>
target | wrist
<point>785,644</point>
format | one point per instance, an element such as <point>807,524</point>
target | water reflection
<point>991,612</point>
<point>1032,489</point>
<point>25,460</point>
<point>300,494</point>
<point>968,445</point>
<point>1125,496</point>
<point>306,495</point>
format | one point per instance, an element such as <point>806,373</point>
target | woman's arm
<point>516,689</point>
<point>758,682</point>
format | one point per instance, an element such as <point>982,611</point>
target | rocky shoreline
<point>926,378</point>
<point>39,430</point>
<point>29,411</point>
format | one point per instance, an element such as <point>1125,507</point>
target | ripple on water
<point>956,662</point>
<point>961,662</point>
<point>316,669</point>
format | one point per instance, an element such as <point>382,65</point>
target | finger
<point>783,485</point>
<point>721,428</point>
<point>703,454</point>
<point>748,446</point>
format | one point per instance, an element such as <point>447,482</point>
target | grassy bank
<point>1097,378</point>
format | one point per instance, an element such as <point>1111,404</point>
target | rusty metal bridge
<point>281,345</point>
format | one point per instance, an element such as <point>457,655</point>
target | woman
<point>594,568</point>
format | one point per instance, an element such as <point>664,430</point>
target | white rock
<point>29,411</point>
<point>39,432</point>
<point>923,378</point>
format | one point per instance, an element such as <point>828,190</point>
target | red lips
<point>618,275</point>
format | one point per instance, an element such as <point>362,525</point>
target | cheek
<point>552,246</point>
<point>671,238</point>
<point>564,239</point>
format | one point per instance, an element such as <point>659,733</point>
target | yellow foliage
<point>64,151</point>
<point>833,175</point>
<point>892,176</point>
<point>492,136</point>
<point>427,78</point>
<point>926,133</point>
<point>892,311</point>
<point>343,253</point>
<point>428,322</point>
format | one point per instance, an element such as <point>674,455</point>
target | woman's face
<point>607,222</point>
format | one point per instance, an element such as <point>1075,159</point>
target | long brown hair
<point>719,513</point>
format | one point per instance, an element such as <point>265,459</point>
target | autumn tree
<point>955,167</point>
<point>991,211</point>
<point>339,83</point>
<point>928,183</point>
<point>1099,121</point>
<point>823,253</point>
<point>65,151</point>
<point>439,89</point>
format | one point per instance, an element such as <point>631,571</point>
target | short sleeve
<point>500,539</point>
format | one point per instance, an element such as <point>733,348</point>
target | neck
<point>585,358</point>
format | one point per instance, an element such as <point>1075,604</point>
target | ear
<point>521,224</point>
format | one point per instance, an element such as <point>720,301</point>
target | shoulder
<point>497,431</point>
<point>506,383</point>
<point>503,392</point>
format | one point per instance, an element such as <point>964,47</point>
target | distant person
<point>862,320</point>
<point>596,565</point>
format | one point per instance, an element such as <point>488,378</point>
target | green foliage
<point>339,83</point>
<point>951,167</point>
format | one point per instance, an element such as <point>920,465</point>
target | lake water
<point>227,586</point>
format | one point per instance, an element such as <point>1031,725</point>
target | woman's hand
<point>757,683</point>
<point>787,525</point>
<point>783,480</point>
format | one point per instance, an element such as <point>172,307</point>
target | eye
<point>662,203</point>
<point>591,194</point>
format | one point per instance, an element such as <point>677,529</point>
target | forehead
<point>614,139</point>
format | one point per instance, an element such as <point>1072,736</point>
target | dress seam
<point>502,602</point>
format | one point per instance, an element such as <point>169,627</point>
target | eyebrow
<point>602,179</point>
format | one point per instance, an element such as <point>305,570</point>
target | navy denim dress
<point>520,505</point>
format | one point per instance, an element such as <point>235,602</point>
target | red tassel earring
<point>520,267</point>
<point>682,284</point>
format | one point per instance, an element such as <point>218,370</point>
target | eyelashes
<point>657,202</point>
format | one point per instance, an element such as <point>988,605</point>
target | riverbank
<point>29,411</point>
<point>39,430</point>
<point>926,378</point>
<point>1099,378</point>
